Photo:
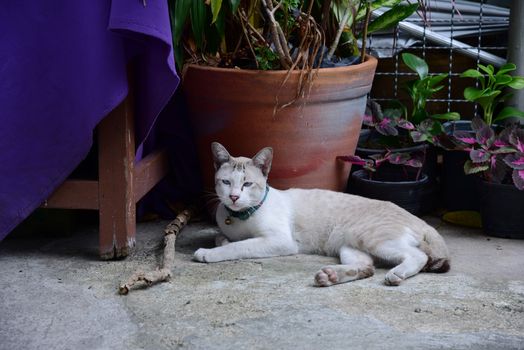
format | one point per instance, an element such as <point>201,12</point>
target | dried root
<point>163,273</point>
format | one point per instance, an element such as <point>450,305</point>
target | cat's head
<point>240,182</point>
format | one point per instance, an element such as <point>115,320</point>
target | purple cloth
<point>63,67</point>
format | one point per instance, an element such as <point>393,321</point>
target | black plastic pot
<point>391,187</point>
<point>429,192</point>
<point>459,190</point>
<point>501,210</point>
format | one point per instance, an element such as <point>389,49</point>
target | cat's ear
<point>263,160</point>
<point>220,154</point>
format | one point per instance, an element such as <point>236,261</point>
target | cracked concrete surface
<point>56,294</point>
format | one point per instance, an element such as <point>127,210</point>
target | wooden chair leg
<point>116,157</point>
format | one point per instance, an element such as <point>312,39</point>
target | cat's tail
<point>437,251</point>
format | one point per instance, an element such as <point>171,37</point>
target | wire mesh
<point>391,76</point>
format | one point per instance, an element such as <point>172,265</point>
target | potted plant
<point>498,157</point>
<point>287,74</point>
<point>492,90</point>
<point>404,188</point>
<point>408,131</point>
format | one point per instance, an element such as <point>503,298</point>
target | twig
<point>285,59</point>
<point>253,30</point>
<point>163,273</point>
<point>244,29</point>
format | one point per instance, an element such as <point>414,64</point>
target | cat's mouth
<point>235,206</point>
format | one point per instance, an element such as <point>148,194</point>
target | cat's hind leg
<point>355,265</point>
<point>404,252</point>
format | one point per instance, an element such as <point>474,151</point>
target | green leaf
<point>391,17</point>
<point>220,24</point>
<point>375,5</point>
<point>212,32</point>
<point>471,168</point>
<point>234,5</point>
<point>446,116</point>
<point>503,79</point>
<point>472,94</point>
<point>517,83</point>
<point>472,73</point>
<point>198,21</point>
<point>419,115</point>
<point>416,64</point>
<point>179,15</point>
<point>215,9</point>
<point>437,128</point>
<point>418,136</point>
<point>488,69</point>
<point>503,150</point>
<point>488,98</point>
<point>508,112</point>
<point>434,80</point>
<point>508,67</point>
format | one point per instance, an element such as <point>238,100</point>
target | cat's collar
<point>246,213</point>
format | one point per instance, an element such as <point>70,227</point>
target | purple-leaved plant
<point>494,155</point>
<point>373,163</point>
<point>387,122</point>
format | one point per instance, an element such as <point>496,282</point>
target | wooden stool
<point>121,183</point>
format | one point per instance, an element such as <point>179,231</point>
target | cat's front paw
<point>205,255</point>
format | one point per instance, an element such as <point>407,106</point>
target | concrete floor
<point>56,294</point>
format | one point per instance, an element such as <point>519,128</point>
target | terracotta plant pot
<point>236,108</point>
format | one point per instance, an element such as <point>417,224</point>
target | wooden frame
<point>121,183</point>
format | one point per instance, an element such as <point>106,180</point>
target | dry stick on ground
<point>163,273</point>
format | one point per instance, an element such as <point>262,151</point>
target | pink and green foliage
<point>516,160</point>
<point>387,122</point>
<point>494,155</point>
<point>393,123</point>
<point>373,163</point>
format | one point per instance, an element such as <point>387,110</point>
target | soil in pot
<point>391,186</point>
<point>502,210</point>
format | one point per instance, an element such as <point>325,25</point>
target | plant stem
<point>341,26</point>
<point>364,36</point>
<point>243,22</point>
<point>285,58</point>
<point>423,162</point>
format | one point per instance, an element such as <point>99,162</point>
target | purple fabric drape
<point>63,67</point>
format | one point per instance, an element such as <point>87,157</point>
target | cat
<point>258,221</point>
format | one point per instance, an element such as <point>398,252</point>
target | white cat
<point>259,221</point>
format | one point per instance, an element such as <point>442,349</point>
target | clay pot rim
<point>369,63</point>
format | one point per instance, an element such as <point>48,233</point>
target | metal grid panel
<point>483,53</point>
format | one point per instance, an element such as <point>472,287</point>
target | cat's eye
<point>226,182</point>
<point>247,184</point>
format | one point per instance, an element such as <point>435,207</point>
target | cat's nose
<point>233,198</point>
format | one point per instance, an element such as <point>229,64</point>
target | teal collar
<point>246,213</point>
